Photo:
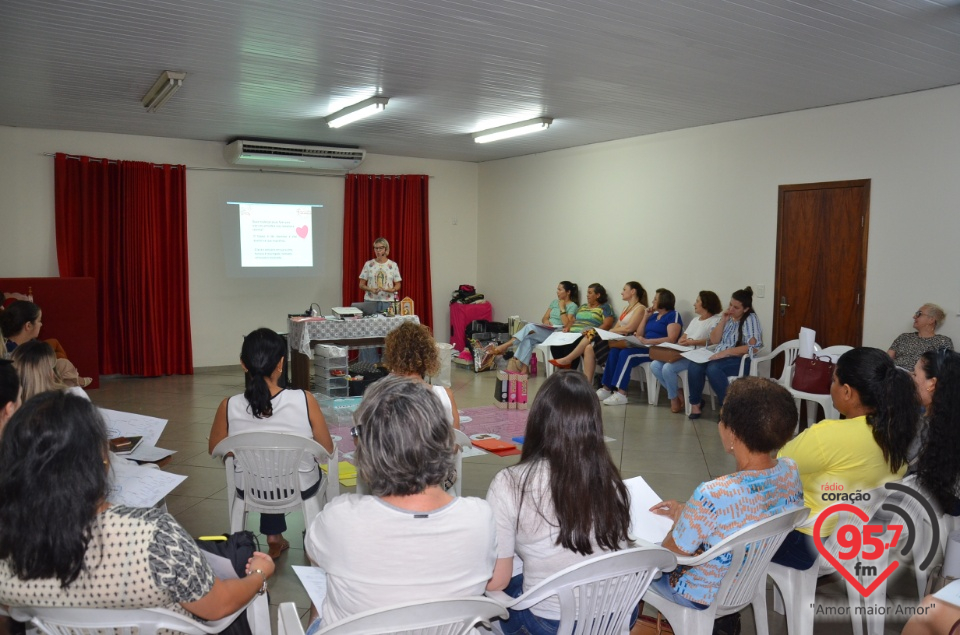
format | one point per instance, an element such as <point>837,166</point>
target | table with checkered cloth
<point>374,327</point>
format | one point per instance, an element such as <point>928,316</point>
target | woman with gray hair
<point>908,347</point>
<point>410,540</point>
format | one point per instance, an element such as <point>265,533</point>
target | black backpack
<point>238,548</point>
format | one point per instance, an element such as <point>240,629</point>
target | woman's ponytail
<point>262,351</point>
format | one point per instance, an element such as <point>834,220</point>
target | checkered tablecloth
<point>374,327</point>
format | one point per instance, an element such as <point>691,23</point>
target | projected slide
<point>274,235</point>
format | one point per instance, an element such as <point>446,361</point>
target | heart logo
<point>851,578</point>
<point>302,231</point>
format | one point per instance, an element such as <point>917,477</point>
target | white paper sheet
<point>130,424</point>
<point>222,567</point>
<point>139,485</point>
<point>314,580</point>
<point>149,453</point>
<point>677,347</point>
<point>644,524</point>
<point>473,451</point>
<point>699,356</point>
<point>808,342</point>
<point>950,593</point>
<point>559,338</point>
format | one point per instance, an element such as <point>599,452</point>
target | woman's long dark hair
<point>938,466</point>
<point>889,395</point>
<point>16,316</point>
<point>9,383</point>
<point>565,429</point>
<point>641,292</point>
<point>572,289</point>
<point>262,351</point>
<point>52,479</point>
<point>745,297</point>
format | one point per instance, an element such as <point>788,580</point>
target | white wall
<point>697,209</point>
<point>224,308</point>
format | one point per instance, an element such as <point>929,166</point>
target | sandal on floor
<point>277,548</point>
<point>559,365</point>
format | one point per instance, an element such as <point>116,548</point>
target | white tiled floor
<point>672,453</point>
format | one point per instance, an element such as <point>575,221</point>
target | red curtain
<point>124,223</point>
<point>394,207</point>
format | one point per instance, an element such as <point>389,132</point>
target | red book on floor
<point>496,446</point>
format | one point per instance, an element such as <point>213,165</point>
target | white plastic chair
<point>789,350</point>
<point>685,386</point>
<point>829,412</point>
<point>598,594</point>
<point>543,351</point>
<point>271,475</point>
<point>72,621</point>
<point>744,583</point>
<point>796,590</point>
<point>445,616</point>
<point>288,622</point>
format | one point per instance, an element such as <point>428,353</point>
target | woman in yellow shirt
<point>861,452</point>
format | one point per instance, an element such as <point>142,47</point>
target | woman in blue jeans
<point>737,334</point>
<point>561,313</point>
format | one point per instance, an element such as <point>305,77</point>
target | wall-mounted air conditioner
<point>290,155</point>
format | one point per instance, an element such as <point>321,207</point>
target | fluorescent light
<point>163,89</point>
<point>512,130</point>
<point>359,110</point>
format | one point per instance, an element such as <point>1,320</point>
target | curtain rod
<point>257,170</point>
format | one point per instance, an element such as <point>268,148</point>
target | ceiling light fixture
<point>512,130</point>
<point>357,111</point>
<point>163,89</point>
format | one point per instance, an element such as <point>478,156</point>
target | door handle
<point>783,305</point>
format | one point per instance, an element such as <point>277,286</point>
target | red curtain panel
<point>124,223</point>
<point>396,208</point>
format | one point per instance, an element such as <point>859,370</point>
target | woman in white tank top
<point>266,407</point>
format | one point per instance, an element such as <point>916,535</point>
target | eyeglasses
<point>919,313</point>
<point>355,432</point>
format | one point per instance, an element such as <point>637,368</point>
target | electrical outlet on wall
<point>761,290</point>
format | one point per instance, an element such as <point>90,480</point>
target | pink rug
<point>506,424</point>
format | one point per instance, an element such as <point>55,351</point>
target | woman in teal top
<point>560,313</point>
<point>596,313</point>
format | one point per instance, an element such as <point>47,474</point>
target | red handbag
<point>813,375</point>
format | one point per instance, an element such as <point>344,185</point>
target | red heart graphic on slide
<point>302,231</point>
<point>851,578</point>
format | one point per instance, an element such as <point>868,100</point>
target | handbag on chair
<point>813,375</point>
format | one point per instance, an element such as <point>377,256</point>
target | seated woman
<point>594,349</point>
<point>546,512</point>
<point>738,333</point>
<point>410,351</point>
<point>36,365</point>
<point>937,375</point>
<point>861,452</point>
<point>266,407</point>
<point>10,392</point>
<point>908,347</point>
<point>561,313</point>
<point>757,419</point>
<point>661,323</point>
<point>410,540</point>
<point>595,313</point>
<point>20,323</point>
<point>63,545</point>
<point>707,307</point>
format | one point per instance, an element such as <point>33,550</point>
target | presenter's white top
<point>380,275</point>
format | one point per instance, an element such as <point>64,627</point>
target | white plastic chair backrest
<point>837,349</point>
<point>790,349</point>
<point>751,550</point>
<point>73,621</point>
<point>869,506</point>
<point>271,467</point>
<point>288,622</point>
<point>601,593</point>
<point>445,616</point>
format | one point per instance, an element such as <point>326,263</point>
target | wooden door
<point>821,261</point>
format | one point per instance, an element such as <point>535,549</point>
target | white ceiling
<point>603,69</point>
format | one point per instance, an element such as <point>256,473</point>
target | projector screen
<point>275,235</point>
